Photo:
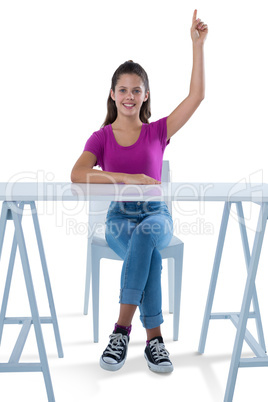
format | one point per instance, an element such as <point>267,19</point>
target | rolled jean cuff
<point>152,322</point>
<point>131,296</point>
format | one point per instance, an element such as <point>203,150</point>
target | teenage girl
<point>130,150</point>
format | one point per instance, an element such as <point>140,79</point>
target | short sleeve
<point>161,127</point>
<point>95,144</point>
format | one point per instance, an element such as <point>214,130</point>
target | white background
<point>56,63</point>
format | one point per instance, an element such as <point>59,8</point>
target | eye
<point>137,91</point>
<point>122,90</point>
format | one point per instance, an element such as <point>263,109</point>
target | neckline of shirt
<point>128,146</point>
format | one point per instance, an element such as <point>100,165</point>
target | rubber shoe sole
<point>158,369</point>
<point>112,366</point>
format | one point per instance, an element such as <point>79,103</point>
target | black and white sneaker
<point>157,356</point>
<point>114,356</point>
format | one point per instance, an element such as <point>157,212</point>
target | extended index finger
<point>194,16</point>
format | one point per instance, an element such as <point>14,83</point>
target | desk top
<point>57,191</point>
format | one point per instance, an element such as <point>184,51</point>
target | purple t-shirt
<point>145,156</point>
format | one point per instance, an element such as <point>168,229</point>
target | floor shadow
<point>97,377</point>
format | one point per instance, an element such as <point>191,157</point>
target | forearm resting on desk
<point>86,175</point>
<point>83,172</point>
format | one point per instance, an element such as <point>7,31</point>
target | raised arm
<point>188,106</point>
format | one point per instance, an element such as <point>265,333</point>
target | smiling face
<point>129,94</point>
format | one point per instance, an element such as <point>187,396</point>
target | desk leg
<point>255,301</point>
<point>13,211</point>
<point>248,293</point>
<point>214,276</point>
<point>54,320</point>
<point>8,280</point>
<point>46,278</point>
<point>33,304</point>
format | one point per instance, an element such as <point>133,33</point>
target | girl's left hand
<point>199,30</point>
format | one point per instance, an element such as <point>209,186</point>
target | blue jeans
<point>136,231</point>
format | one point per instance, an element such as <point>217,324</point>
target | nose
<point>130,95</point>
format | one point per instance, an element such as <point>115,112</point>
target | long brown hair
<point>129,67</point>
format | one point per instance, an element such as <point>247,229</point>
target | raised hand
<point>199,30</point>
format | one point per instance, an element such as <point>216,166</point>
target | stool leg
<point>171,284</point>
<point>47,280</point>
<point>214,276</point>
<point>95,294</point>
<point>88,276</point>
<point>248,293</point>
<point>178,261</point>
<point>247,258</point>
<point>32,302</point>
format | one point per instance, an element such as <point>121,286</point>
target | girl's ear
<point>146,96</point>
<point>112,95</point>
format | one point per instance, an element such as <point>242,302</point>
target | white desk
<point>53,191</point>
<point>15,195</point>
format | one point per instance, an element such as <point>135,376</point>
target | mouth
<point>129,105</point>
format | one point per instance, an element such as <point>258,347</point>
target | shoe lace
<point>158,350</point>
<point>116,345</point>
